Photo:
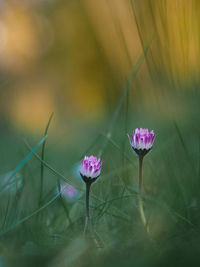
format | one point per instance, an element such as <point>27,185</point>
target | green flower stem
<point>142,215</point>
<point>88,225</point>
<point>88,221</point>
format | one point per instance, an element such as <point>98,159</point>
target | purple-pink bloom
<point>91,167</point>
<point>142,139</point>
<point>69,191</point>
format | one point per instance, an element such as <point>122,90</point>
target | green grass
<point>51,234</point>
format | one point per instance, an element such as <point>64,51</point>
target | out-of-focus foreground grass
<point>74,58</point>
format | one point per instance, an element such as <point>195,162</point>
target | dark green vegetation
<point>38,227</point>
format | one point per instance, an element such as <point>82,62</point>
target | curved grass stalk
<point>42,157</point>
<point>141,209</point>
<point>31,215</point>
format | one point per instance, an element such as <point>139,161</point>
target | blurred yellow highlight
<point>86,48</point>
<point>32,107</point>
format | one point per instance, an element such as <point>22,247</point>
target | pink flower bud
<point>90,167</point>
<point>142,140</point>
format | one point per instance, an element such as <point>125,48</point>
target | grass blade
<point>42,157</point>
<point>21,164</point>
<point>127,86</point>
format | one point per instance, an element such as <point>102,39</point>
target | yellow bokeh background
<point>72,57</point>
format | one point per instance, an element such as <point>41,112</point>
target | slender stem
<point>42,157</point>
<point>87,221</point>
<point>143,218</point>
<point>88,225</point>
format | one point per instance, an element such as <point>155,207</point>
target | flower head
<point>142,140</point>
<point>90,168</point>
<point>69,192</point>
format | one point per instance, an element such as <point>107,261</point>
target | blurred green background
<point>73,58</point>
